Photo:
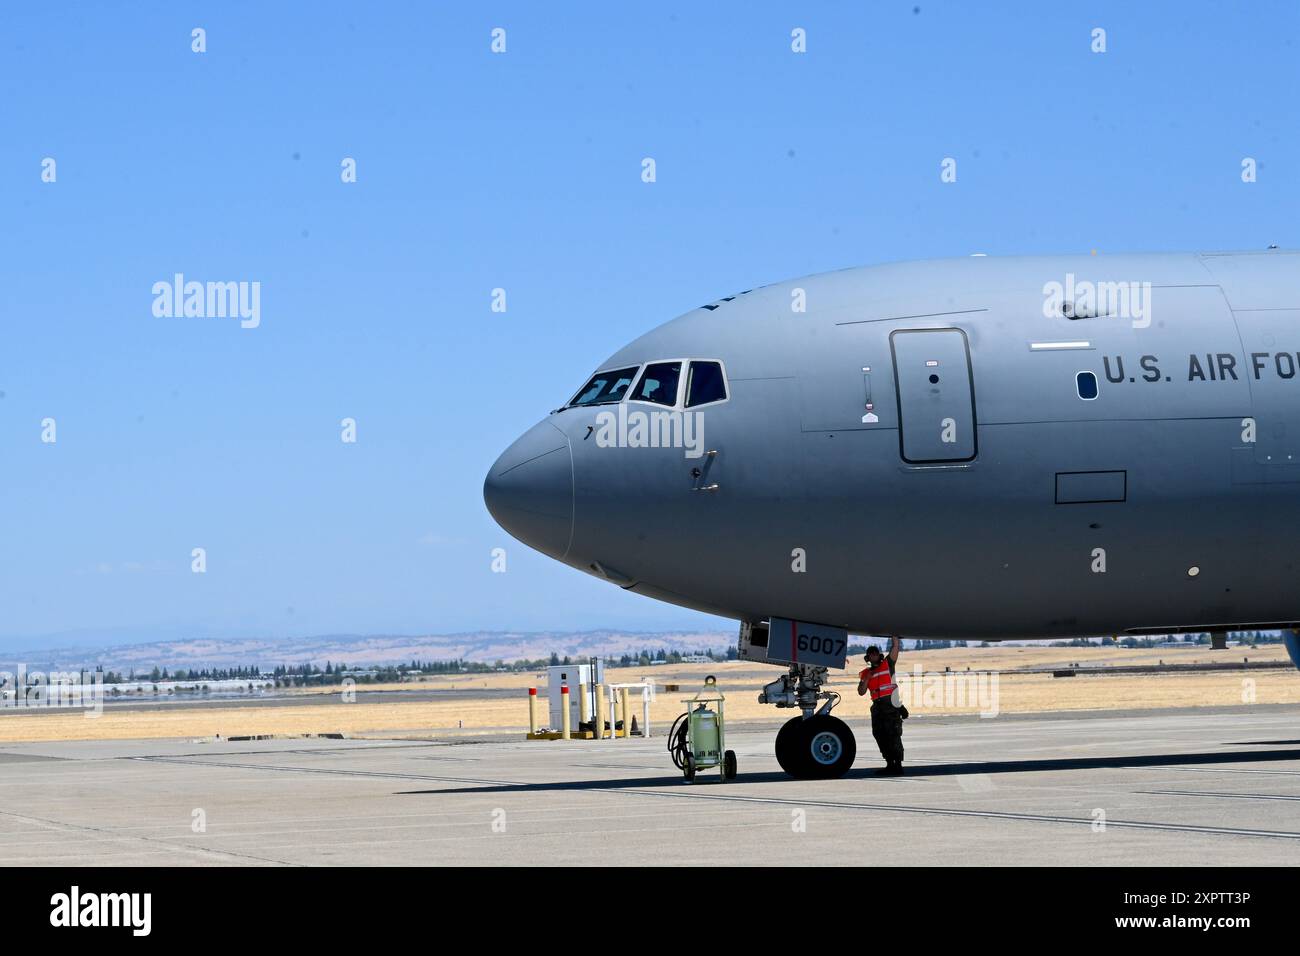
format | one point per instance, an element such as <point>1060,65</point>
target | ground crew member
<point>886,715</point>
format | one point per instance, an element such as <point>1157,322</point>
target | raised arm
<point>895,645</point>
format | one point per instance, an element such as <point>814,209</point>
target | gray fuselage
<point>916,452</point>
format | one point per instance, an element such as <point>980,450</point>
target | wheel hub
<point>826,747</point>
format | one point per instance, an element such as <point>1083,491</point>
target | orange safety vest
<point>880,680</point>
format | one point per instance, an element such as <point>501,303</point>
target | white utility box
<point>572,675</point>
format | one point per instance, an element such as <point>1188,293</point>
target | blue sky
<point>521,171</point>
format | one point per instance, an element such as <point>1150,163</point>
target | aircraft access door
<point>936,396</point>
<point>1272,375</point>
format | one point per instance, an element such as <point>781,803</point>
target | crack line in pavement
<point>62,827</point>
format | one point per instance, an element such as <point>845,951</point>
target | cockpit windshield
<point>659,383</point>
<point>605,388</point>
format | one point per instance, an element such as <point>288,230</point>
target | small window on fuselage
<point>659,383</point>
<point>705,384</point>
<point>1086,382</point>
<point>605,388</point>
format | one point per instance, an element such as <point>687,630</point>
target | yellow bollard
<point>600,711</point>
<point>532,710</point>
<point>565,719</point>
<point>622,706</point>
<point>584,704</point>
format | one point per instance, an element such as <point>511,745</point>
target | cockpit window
<point>705,384</point>
<point>659,383</point>
<point>605,388</point>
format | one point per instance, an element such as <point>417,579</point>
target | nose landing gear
<point>814,746</point>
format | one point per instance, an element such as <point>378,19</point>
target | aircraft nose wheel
<point>820,747</point>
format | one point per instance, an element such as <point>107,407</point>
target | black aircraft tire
<point>828,747</point>
<point>790,752</point>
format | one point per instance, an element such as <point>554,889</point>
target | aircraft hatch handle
<point>700,473</point>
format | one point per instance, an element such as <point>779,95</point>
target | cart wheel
<point>689,770</point>
<point>729,765</point>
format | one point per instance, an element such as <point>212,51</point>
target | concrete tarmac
<point>1200,787</point>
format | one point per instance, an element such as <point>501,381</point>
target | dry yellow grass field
<point>322,711</point>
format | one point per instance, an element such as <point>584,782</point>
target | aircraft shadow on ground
<point>914,771</point>
<point>1262,743</point>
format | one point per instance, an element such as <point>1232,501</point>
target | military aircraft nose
<point>529,491</point>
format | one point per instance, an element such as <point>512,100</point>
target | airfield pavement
<point>1184,787</point>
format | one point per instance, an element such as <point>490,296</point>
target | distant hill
<point>485,646</point>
